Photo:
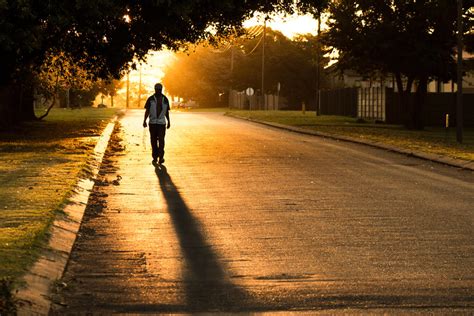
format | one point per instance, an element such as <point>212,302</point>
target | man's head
<point>158,88</point>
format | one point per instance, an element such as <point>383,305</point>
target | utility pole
<point>112,93</point>
<point>318,61</point>
<point>231,100</point>
<point>68,105</point>
<point>128,91</point>
<point>232,60</point>
<point>140,87</point>
<point>263,60</point>
<point>459,103</point>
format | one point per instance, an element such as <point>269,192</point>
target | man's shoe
<point>162,160</point>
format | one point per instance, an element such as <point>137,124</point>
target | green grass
<point>40,162</point>
<point>431,140</point>
<point>216,109</point>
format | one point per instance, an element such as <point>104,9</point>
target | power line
<point>221,51</point>
<point>253,49</point>
<point>251,32</point>
<point>255,31</point>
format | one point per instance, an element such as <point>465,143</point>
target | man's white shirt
<point>158,118</point>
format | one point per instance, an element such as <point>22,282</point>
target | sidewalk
<point>34,296</point>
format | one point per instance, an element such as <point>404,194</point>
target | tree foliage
<point>107,35</point>
<point>412,39</point>
<point>236,64</point>
<point>199,74</point>
<point>60,71</point>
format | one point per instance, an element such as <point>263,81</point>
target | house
<point>351,79</point>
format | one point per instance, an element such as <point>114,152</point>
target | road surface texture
<point>244,217</point>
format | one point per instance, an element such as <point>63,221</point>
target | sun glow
<point>153,69</point>
<point>290,26</point>
<point>143,79</point>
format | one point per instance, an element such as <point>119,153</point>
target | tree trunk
<point>399,81</point>
<point>406,103</point>
<point>409,84</point>
<point>9,96</point>
<point>409,105</point>
<point>26,105</point>
<point>420,99</point>
<point>16,105</point>
<point>51,105</point>
<point>68,98</point>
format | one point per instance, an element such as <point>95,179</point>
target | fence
<point>385,105</point>
<point>371,103</point>
<point>271,102</point>
<point>239,100</point>
<point>341,102</point>
<point>437,105</point>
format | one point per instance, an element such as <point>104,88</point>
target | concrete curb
<point>34,298</point>
<point>458,163</point>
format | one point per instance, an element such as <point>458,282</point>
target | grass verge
<point>40,162</point>
<point>431,140</point>
<point>216,109</point>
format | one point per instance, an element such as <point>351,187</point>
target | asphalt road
<point>244,217</point>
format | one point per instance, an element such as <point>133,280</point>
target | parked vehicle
<point>185,105</point>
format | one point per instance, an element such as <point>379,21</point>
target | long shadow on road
<point>206,282</point>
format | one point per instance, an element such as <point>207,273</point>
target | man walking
<point>157,108</point>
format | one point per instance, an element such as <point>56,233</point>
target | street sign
<point>249,92</point>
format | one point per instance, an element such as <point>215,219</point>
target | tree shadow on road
<point>207,283</point>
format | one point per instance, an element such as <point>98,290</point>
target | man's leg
<point>161,141</point>
<point>154,140</point>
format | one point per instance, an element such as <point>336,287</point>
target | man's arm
<point>168,114</point>
<point>147,112</point>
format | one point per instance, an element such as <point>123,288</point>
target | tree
<point>410,39</point>
<point>292,63</point>
<point>107,35</point>
<point>469,35</point>
<point>199,74</point>
<point>207,72</point>
<point>60,71</point>
<point>109,87</point>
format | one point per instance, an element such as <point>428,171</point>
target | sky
<point>290,26</point>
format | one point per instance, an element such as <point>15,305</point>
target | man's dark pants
<point>157,137</point>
